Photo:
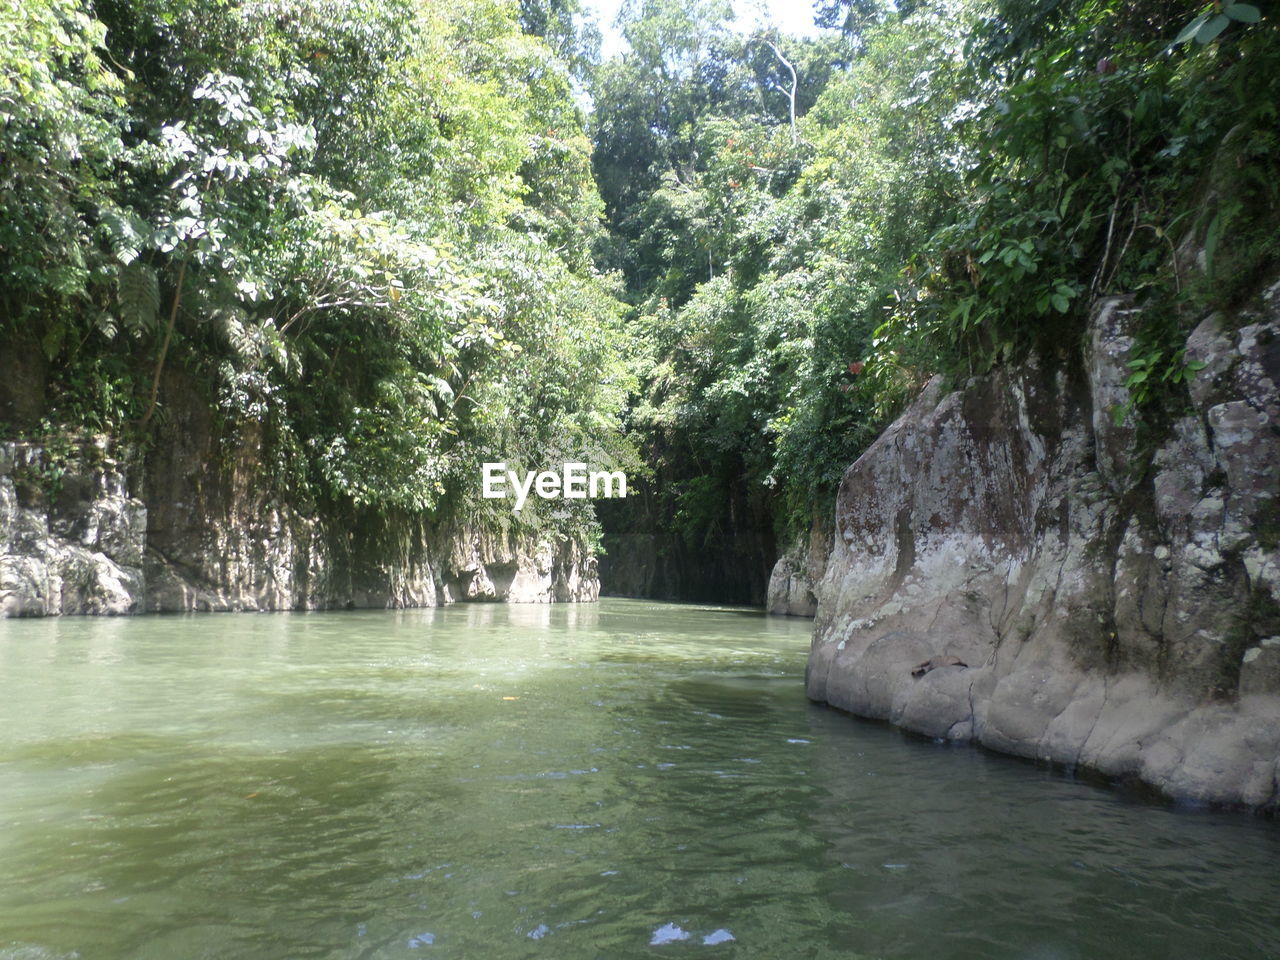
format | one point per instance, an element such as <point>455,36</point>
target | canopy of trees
<point>367,227</point>
<point>963,179</point>
<point>407,237</point>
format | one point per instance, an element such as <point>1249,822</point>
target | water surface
<point>626,779</point>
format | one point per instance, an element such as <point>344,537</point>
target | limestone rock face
<point>80,553</point>
<point>485,567</point>
<point>793,585</point>
<point>1086,602</point>
<point>223,535</point>
<point>204,531</point>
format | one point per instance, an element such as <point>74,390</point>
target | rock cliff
<point>81,552</point>
<point>1011,566</point>
<point>793,584</point>
<point>94,530</point>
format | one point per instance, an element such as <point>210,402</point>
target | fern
<point>139,294</point>
<point>239,337</point>
<point>124,233</point>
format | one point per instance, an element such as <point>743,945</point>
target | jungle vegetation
<point>404,237</point>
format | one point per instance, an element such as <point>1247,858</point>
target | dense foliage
<point>365,227</point>
<point>965,178</point>
<point>407,237</point>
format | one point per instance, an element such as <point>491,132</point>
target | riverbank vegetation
<point>365,229</point>
<point>405,238</point>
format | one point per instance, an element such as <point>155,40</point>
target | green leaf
<point>68,279</point>
<point>52,342</point>
<point>442,387</point>
<point>1209,32</point>
<point>1191,29</point>
<point>1242,12</point>
<point>1066,198</point>
<point>139,294</point>
<point>125,232</point>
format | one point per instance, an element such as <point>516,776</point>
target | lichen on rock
<point>1115,607</point>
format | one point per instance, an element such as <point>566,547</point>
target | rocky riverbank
<point>1012,566</point>
<point>793,586</point>
<point>90,528</point>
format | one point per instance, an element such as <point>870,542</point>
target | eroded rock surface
<point>793,584</point>
<point>203,532</point>
<point>82,554</point>
<point>1082,601</point>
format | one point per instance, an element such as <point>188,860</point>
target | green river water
<point>627,779</point>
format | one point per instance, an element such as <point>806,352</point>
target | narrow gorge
<point>565,478</point>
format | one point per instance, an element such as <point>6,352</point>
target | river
<point>627,779</point>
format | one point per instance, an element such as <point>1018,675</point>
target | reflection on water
<point>491,781</point>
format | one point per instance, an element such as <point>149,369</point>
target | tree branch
<point>795,82</point>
